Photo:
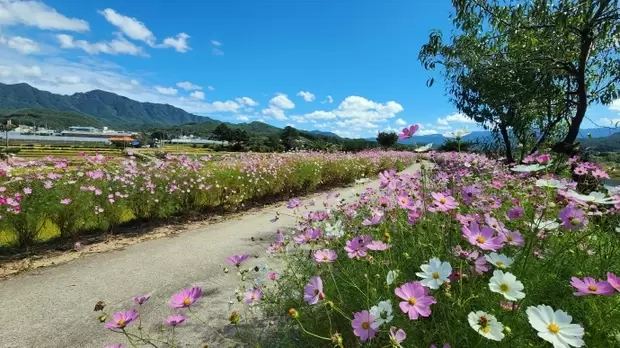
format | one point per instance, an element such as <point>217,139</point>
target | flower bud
<point>337,339</point>
<point>507,330</point>
<point>293,313</point>
<point>99,306</point>
<point>234,318</point>
<point>102,318</point>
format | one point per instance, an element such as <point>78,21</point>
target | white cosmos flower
<point>618,229</point>
<point>486,325</point>
<point>507,285</point>
<point>391,276</point>
<point>555,327</point>
<point>613,190</point>
<point>362,181</point>
<point>499,260</point>
<point>522,168</point>
<point>382,313</point>
<point>424,148</point>
<point>434,273</point>
<point>334,230</point>
<point>547,225</point>
<point>553,183</point>
<point>593,197</point>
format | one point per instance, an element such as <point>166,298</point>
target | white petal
<point>574,341</point>
<point>535,318</point>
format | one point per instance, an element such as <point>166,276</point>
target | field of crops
<point>61,197</point>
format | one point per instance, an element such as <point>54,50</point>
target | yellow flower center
<point>121,322</point>
<point>504,287</point>
<point>500,264</point>
<point>443,201</point>
<point>486,329</point>
<point>412,301</point>
<point>553,328</point>
<point>575,222</point>
<point>480,239</point>
<point>435,275</point>
<point>510,238</point>
<point>187,301</point>
<point>365,325</point>
<point>325,257</point>
<point>592,288</point>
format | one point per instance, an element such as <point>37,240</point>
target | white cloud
<point>362,109</point>
<point>20,44</point>
<point>217,52</point>
<point>37,14</point>
<point>134,82</point>
<point>179,43</point>
<point>609,122</point>
<point>243,118</point>
<point>329,100</point>
<point>188,86</point>
<point>401,122</point>
<point>130,26</point>
<point>390,130</point>
<point>281,101</point>
<point>442,121</point>
<point>248,109</point>
<point>198,95</point>
<point>166,90</point>
<point>615,105</point>
<point>117,46</point>
<point>459,118</point>
<point>211,88</point>
<point>320,115</point>
<point>216,43</point>
<point>426,132</point>
<point>17,73</point>
<point>70,79</point>
<point>275,112</point>
<point>246,101</point>
<point>299,119</point>
<point>228,105</point>
<point>443,127</point>
<point>306,95</point>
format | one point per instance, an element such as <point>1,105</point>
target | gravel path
<point>53,306</point>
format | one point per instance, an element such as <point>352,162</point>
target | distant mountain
<point>108,108</point>
<point>48,118</point>
<point>328,134</point>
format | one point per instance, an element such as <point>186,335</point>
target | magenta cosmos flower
<point>515,213</point>
<point>66,201</point>
<point>356,247</point>
<point>114,346</point>
<point>573,219</point>
<point>397,336</point>
<point>614,281</point>
<point>174,320</point>
<point>236,260</point>
<point>185,298</point>
<point>141,299</point>
<point>313,291</point>
<point>417,301</point>
<point>589,286</point>
<point>362,325</point>
<point>325,255</point>
<point>409,132</point>
<point>252,296</point>
<point>443,203</point>
<point>483,238</point>
<point>121,319</point>
<point>404,201</point>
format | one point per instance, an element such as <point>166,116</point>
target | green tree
<point>289,137</point>
<point>386,139</point>
<point>223,132</point>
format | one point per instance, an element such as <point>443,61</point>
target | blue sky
<point>344,66</point>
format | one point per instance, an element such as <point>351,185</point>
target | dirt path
<point>53,306</point>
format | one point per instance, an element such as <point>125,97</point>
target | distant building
<point>80,131</point>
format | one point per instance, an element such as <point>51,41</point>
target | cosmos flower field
<point>465,253</point>
<point>55,198</point>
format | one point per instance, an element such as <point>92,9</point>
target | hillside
<point>607,144</point>
<point>51,119</point>
<point>108,108</point>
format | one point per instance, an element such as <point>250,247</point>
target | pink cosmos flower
<point>294,203</point>
<point>376,218</point>
<point>573,219</point>
<point>483,238</point>
<point>468,192</point>
<point>377,245</point>
<point>589,286</point>
<point>405,201</point>
<point>236,260</point>
<point>252,296</point>
<point>542,159</point>
<point>417,301</point>
<point>27,190</point>
<point>185,298</point>
<point>114,346</point>
<point>141,299</point>
<point>66,201</point>
<point>509,306</point>
<point>397,336</point>
<point>313,291</point>
<point>272,275</point>
<point>362,325</point>
<point>121,319</point>
<point>325,255</point>
<point>614,281</point>
<point>515,213</point>
<point>356,247</point>
<point>409,132</point>
<point>174,320</point>
<point>480,266</point>
<point>443,203</point>
<point>512,238</point>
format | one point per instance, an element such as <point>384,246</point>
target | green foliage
<point>386,139</point>
<point>52,119</point>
